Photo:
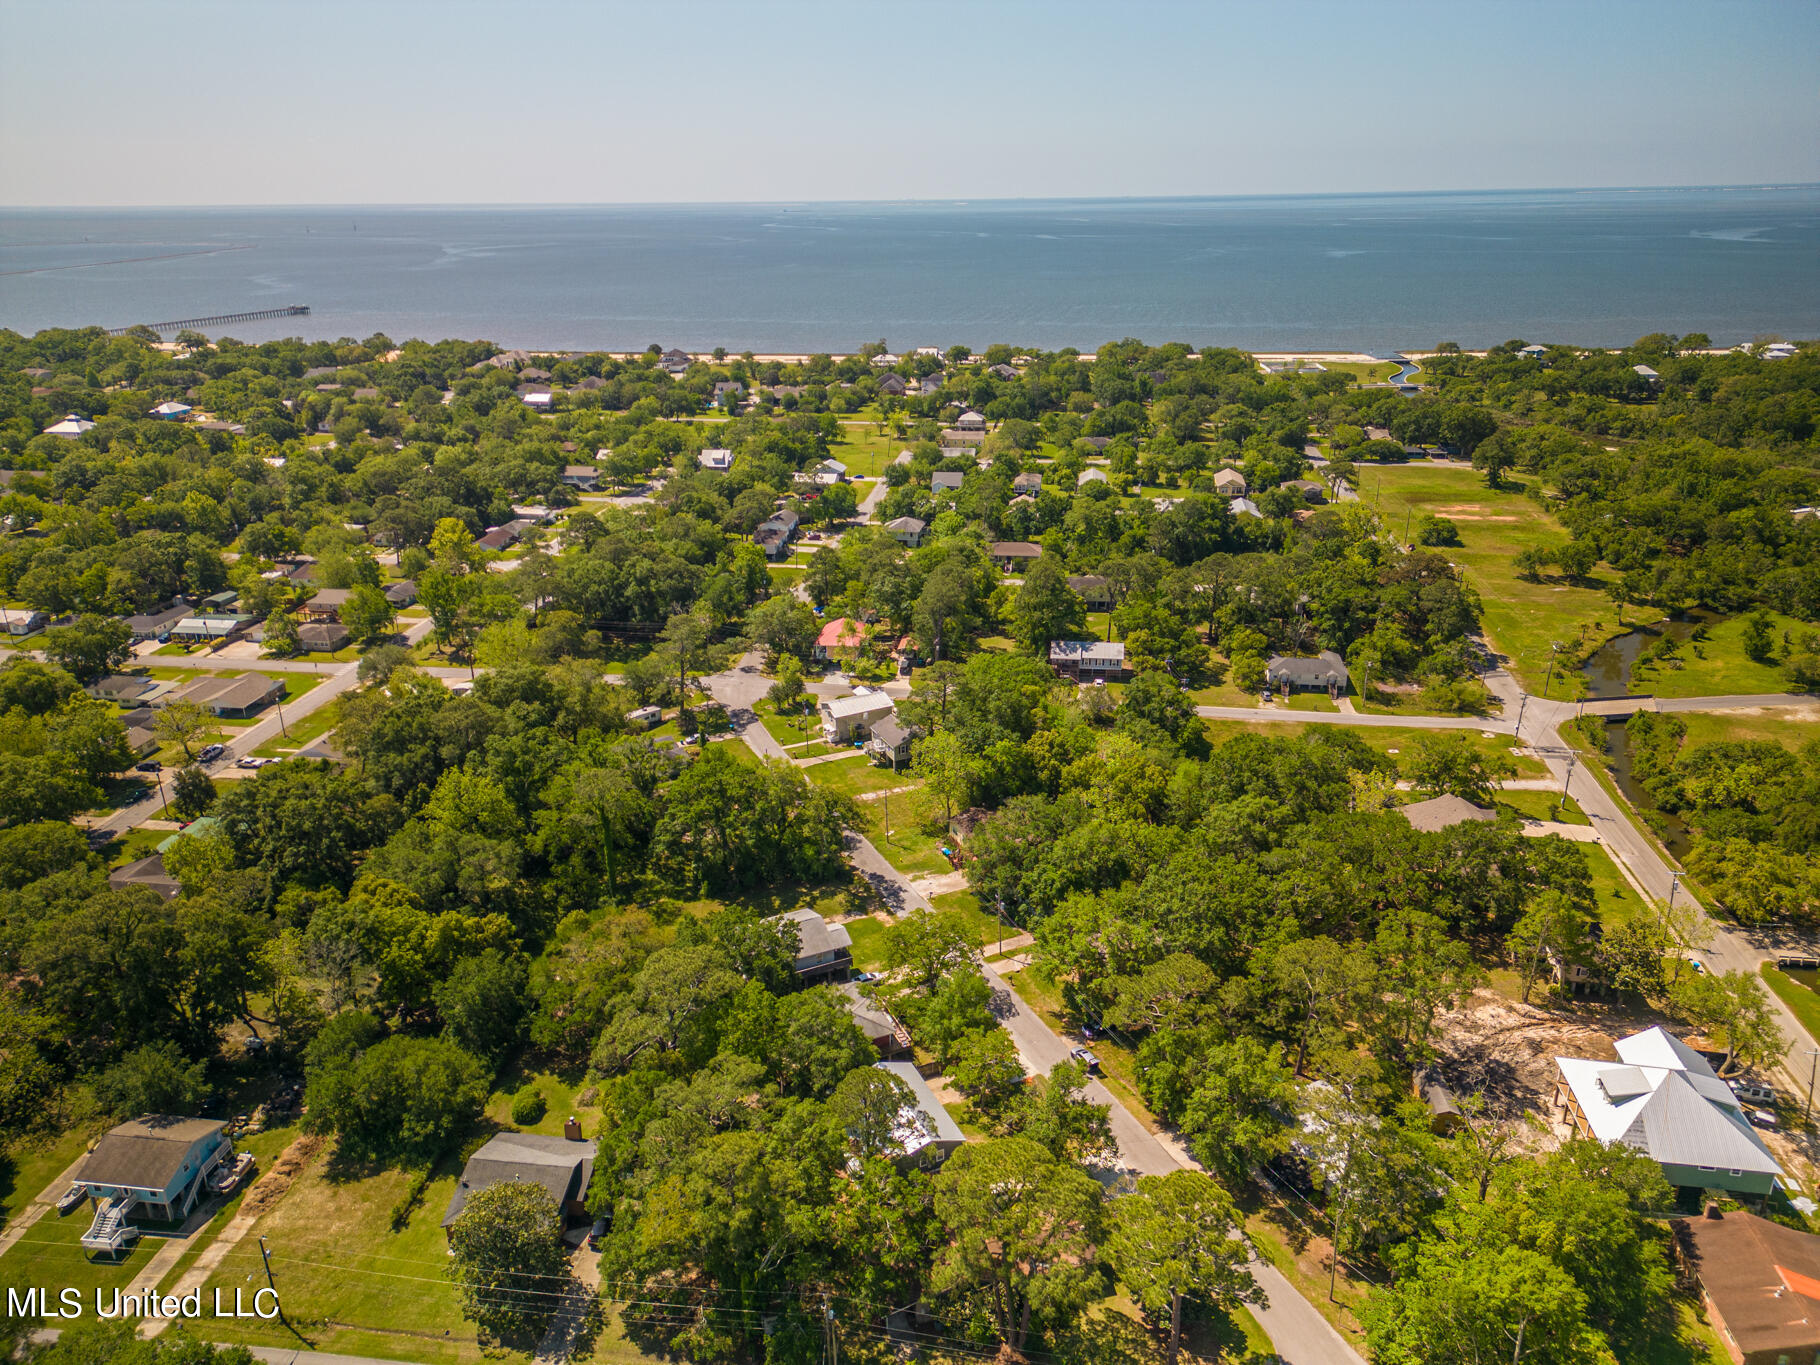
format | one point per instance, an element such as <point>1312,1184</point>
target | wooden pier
<point>298,310</point>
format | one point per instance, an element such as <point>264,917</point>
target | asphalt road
<point>1732,949</point>
<point>1298,1333</point>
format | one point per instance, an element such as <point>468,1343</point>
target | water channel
<point>1607,675</point>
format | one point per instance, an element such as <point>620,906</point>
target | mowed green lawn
<point>912,848</point>
<point>1521,618</point>
<point>1718,666</point>
<point>1789,726</point>
<point>350,1283</point>
<point>864,451</point>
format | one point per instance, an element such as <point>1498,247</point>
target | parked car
<point>861,977</point>
<point>212,752</point>
<point>151,765</point>
<point>1763,1118</point>
<point>598,1233</point>
<point>1086,1059</point>
<point>1755,1092</point>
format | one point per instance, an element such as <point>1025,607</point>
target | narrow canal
<point>1608,675</point>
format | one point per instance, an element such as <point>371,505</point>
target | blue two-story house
<point>154,1167</point>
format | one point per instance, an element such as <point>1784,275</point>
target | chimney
<point>572,1131</point>
<point>1712,1210</point>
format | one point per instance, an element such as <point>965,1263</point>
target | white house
<point>1662,1098</point>
<point>716,457</point>
<point>970,421</point>
<point>70,427</point>
<point>846,719</point>
<point>171,411</point>
<point>539,401</point>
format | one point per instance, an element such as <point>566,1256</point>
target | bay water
<point>1352,272</point>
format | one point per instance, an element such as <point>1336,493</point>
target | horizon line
<point>930,201</point>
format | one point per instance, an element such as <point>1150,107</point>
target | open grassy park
<point>1717,666</point>
<point>1789,726</point>
<point>1522,619</point>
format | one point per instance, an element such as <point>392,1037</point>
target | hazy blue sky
<point>443,101</point>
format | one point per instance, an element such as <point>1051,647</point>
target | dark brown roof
<point>145,1153</point>
<point>1763,1279</point>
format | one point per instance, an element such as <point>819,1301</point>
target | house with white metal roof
<point>924,1133</point>
<point>1662,1098</point>
<point>845,719</point>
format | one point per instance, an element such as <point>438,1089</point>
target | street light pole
<point>1674,884</point>
<point>1522,705</point>
<point>1565,781</point>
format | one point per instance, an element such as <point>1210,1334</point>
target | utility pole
<point>885,798</point>
<point>266,1256</point>
<point>1807,1113</point>
<point>1522,704</point>
<point>1565,781</point>
<point>1674,884</point>
<point>163,800</point>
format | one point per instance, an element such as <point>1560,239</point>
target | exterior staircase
<point>110,1231</point>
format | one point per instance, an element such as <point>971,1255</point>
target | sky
<point>203,102</point>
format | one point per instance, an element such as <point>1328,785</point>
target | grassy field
<point>1309,701</point>
<point>1612,893</point>
<point>301,733</point>
<point>27,1169</point>
<point>1802,1003</point>
<point>1395,741</point>
<point>917,830</point>
<point>1544,806</point>
<point>984,926</point>
<point>1789,726</point>
<point>350,1283</point>
<point>868,937</point>
<point>1521,618</point>
<point>798,729</point>
<point>1365,373</point>
<point>1717,666</point>
<point>864,451</point>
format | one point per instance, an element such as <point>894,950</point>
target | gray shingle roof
<point>145,1153</point>
<point>559,1165</point>
<point>1444,811</point>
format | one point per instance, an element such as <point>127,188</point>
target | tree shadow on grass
<point>344,1167</point>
